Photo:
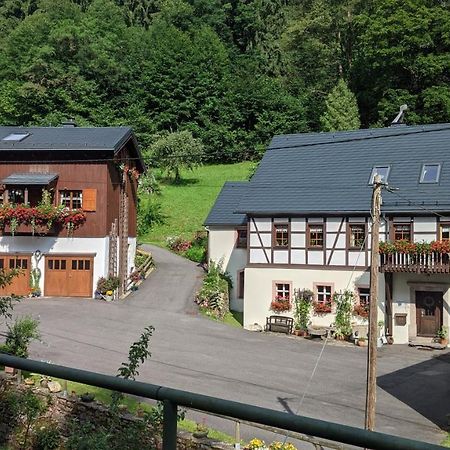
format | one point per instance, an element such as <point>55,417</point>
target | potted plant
<point>442,335</point>
<point>201,431</point>
<point>107,286</point>
<point>361,341</point>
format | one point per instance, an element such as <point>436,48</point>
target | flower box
<point>322,308</point>
<point>361,311</point>
<point>280,304</point>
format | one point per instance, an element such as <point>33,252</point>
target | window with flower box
<point>323,297</point>
<point>402,231</point>
<point>361,308</point>
<point>71,199</point>
<point>357,236</point>
<point>315,236</point>
<point>282,297</point>
<point>281,235</point>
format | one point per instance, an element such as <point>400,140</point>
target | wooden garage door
<point>68,276</point>
<point>21,283</point>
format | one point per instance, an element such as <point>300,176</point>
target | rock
<point>255,327</point>
<point>54,386</point>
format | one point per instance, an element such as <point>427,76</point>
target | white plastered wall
<point>58,245</point>
<point>404,301</point>
<point>221,246</point>
<point>259,290</point>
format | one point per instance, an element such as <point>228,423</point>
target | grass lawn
<point>186,205</point>
<point>232,318</point>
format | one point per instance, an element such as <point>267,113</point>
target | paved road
<point>193,353</point>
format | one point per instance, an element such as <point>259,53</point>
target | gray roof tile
<point>30,178</point>
<point>329,172</point>
<point>222,213</point>
<point>65,138</point>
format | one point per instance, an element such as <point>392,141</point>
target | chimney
<point>70,123</point>
<point>400,116</point>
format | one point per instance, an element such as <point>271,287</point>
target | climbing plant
<point>302,308</point>
<point>344,307</point>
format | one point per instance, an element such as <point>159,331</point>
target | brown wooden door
<point>20,284</point>
<point>428,312</point>
<point>68,276</point>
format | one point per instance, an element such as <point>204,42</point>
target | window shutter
<point>89,199</point>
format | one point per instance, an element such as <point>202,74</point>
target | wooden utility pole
<point>371,389</point>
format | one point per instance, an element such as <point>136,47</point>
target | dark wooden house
<point>68,206</point>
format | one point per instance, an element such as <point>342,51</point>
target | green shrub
<point>149,213</point>
<point>19,336</point>
<point>86,437</point>
<point>196,254</point>
<point>46,437</point>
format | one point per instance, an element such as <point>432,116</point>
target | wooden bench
<point>280,324</point>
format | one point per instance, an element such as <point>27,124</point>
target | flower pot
<point>443,341</point>
<point>10,370</point>
<point>199,434</point>
<point>362,343</point>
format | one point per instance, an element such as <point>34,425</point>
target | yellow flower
<point>109,292</point>
<point>255,444</point>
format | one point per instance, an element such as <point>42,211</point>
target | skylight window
<point>15,137</point>
<point>430,173</point>
<point>382,171</point>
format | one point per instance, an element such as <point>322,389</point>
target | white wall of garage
<point>98,247</point>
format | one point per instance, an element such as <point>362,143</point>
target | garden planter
<point>443,342</point>
<point>362,343</point>
<point>200,434</point>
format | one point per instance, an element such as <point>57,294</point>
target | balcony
<point>415,257</point>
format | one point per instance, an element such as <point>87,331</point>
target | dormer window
<point>382,171</point>
<point>15,137</point>
<point>430,173</point>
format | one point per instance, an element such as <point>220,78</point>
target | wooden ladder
<point>123,235</point>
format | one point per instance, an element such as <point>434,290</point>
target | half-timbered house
<point>68,207</point>
<point>303,222</point>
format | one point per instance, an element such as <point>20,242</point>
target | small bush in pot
<point>442,335</point>
<point>107,284</point>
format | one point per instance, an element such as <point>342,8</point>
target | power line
<point>394,191</point>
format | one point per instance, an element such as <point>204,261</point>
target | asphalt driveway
<point>193,353</point>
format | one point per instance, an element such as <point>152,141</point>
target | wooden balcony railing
<point>433,262</point>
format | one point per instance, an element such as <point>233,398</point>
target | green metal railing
<point>172,398</point>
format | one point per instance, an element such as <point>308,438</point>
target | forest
<point>230,72</point>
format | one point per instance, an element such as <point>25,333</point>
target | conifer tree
<point>341,111</point>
